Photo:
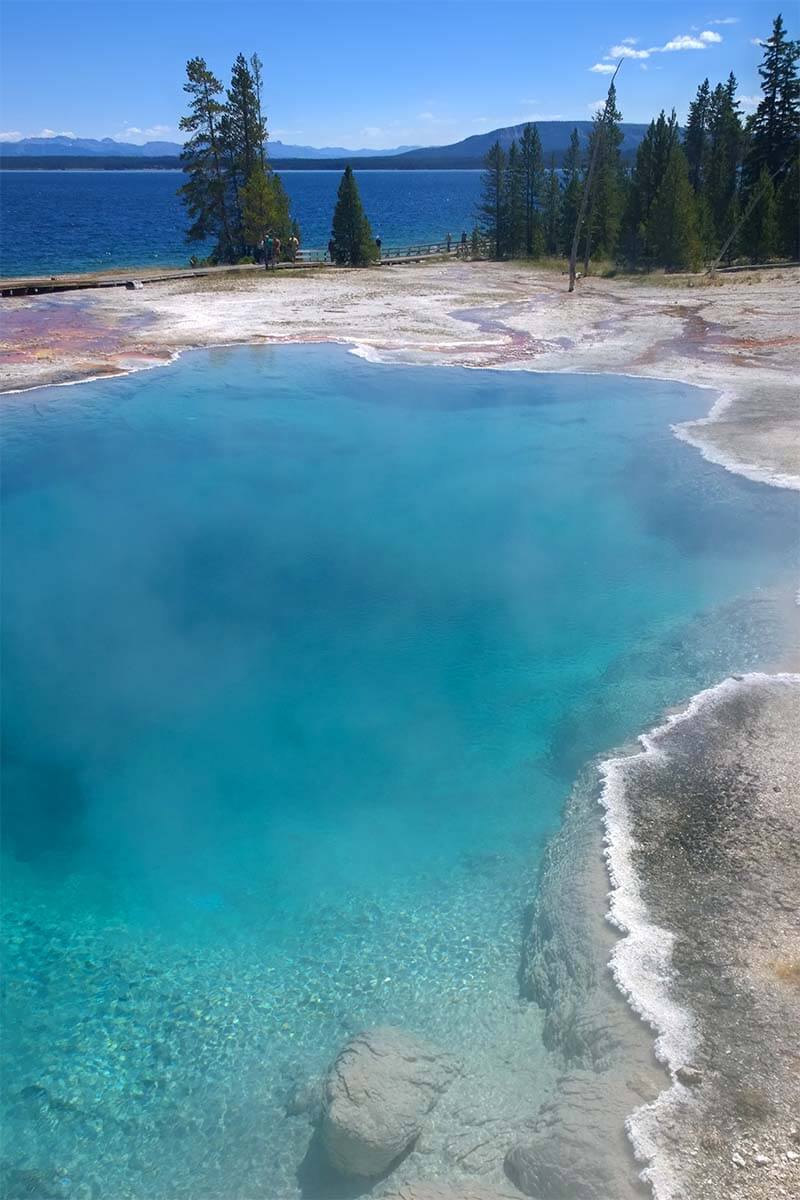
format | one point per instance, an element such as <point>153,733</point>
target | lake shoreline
<point>736,338</point>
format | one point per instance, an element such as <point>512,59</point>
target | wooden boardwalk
<point>33,285</point>
<point>130,277</point>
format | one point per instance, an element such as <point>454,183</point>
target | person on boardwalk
<point>331,250</point>
<point>276,252</point>
<point>378,244</point>
<point>449,243</point>
<point>268,250</point>
<point>294,246</point>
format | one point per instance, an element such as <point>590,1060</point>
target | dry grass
<point>788,970</point>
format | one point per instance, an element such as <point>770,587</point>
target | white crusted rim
<point>641,960</point>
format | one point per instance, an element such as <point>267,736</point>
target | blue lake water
<point>301,657</point>
<point>59,221</point>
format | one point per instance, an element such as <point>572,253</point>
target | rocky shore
<point>713,823</point>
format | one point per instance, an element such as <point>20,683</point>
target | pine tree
<point>775,124</point>
<point>353,242</point>
<point>723,158</point>
<point>492,207</point>
<point>760,233</point>
<point>257,71</point>
<point>788,209</point>
<point>205,193</point>
<point>243,130</point>
<point>552,210</point>
<point>515,203</point>
<point>256,207</point>
<point>730,225</point>
<point>533,168</point>
<point>604,219</point>
<point>573,188</point>
<point>652,159</point>
<point>265,207</point>
<point>774,136</point>
<point>695,139</point>
<point>671,229</point>
<point>243,134</point>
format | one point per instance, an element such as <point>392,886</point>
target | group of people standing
<point>272,250</point>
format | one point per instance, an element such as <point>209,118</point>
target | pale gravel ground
<point>739,335</point>
<point>718,807</point>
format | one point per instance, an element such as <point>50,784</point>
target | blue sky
<point>374,73</point>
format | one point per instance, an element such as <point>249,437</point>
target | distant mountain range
<point>107,147</point>
<point>554,135</point>
<point>66,152</point>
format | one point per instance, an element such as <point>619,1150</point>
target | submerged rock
<point>304,1099</point>
<point>377,1094</point>
<point>559,1168</point>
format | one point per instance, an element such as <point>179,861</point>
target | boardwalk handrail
<point>392,253</point>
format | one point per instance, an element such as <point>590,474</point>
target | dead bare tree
<point>573,254</point>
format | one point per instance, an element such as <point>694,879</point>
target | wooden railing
<point>388,254</point>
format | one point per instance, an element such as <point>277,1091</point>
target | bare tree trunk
<point>587,252</point>
<point>573,254</point>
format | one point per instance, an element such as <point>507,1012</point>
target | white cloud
<point>625,50</point>
<point>725,21</point>
<point>10,135</point>
<point>688,41</point>
<point>750,103</point>
<point>603,68</point>
<point>51,133</point>
<point>371,132</point>
<point>596,106</point>
<point>139,135</point>
<point>757,42</point>
<point>684,41</point>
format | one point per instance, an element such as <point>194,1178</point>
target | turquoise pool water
<point>301,656</point>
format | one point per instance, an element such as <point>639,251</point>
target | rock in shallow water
<point>377,1094</point>
<point>560,1168</point>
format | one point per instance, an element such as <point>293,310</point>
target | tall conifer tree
<point>533,168</point>
<point>696,137</point>
<point>775,126</point>
<point>353,243</point>
<point>492,206</point>
<point>573,188</point>
<point>515,203</point>
<point>205,193</point>
<point>671,229</point>
<point>652,159</point>
<point>606,202</point>
<point>551,221</point>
